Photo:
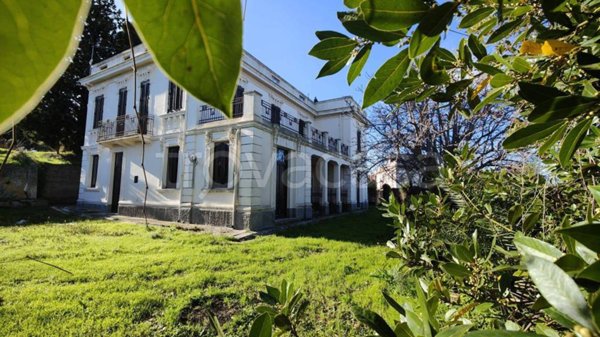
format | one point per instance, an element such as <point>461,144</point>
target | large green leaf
<point>558,289</point>
<point>572,140</point>
<point>197,43</point>
<point>431,71</point>
<point>386,79</point>
<point>262,326</point>
<point>373,321</point>
<point>475,17</point>
<point>556,136</point>
<point>333,48</point>
<point>530,134</point>
<point>358,63</point>
<point>420,43</point>
<point>531,246</point>
<point>356,25</point>
<point>587,234</point>
<point>592,272</point>
<point>389,15</point>
<point>560,108</point>
<point>456,270</point>
<point>437,19</point>
<point>595,190</point>
<point>504,30</point>
<point>352,3</point>
<point>537,93</point>
<point>477,47</point>
<point>325,34</point>
<point>333,66</point>
<point>392,302</point>
<point>37,39</point>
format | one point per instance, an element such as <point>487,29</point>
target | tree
<point>59,119</point>
<point>416,135</point>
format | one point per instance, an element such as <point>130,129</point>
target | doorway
<point>281,197</point>
<point>116,186</point>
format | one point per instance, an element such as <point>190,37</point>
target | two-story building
<point>282,157</point>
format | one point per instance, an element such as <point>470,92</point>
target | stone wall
<point>58,184</point>
<point>18,182</point>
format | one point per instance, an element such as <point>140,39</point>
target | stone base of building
<point>252,220</point>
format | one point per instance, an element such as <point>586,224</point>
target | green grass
<point>38,157</point>
<point>128,281</point>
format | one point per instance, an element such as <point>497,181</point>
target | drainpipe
<point>182,136</point>
<point>236,175</point>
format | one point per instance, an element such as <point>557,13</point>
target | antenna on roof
<point>244,13</point>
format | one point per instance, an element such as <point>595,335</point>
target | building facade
<point>282,157</point>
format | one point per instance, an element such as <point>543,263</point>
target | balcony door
<point>121,108</point>
<point>116,185</point>
<point>281,197</point>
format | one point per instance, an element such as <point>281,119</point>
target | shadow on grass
<point>368,228</point>
<point>26,216</point>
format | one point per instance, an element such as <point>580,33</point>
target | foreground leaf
<point>572,141</point>
<point>558,289</point>
<point>561,108</point>
<point>373,321</point>
<point>501,333</point>
<point>437,19</point>
<point>393,15</point>
<point>588,235</point>
<point>202,52</point>
<point>37,39</point>
<point>531,246</point>
<point>530,134</point>
<point>333,48</point>
<point>358,63</point>
<point>386,79</point>
<point>262,326</point>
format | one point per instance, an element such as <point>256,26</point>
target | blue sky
<point>281,32</point>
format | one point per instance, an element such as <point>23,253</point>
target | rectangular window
<point>221,165</point>
<point>358,142</point>
<point>94,178</point>
<point>98,111</point>
<point>172,166</point>
<point>175,98</point>
<point>144,97</point>
<point>122,102</point>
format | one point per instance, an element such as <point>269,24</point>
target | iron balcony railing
<point>274,115</point>
<point>345,149</point>
<point>332,144</point>
<point>124,126</point>
<point>318,138</point>
<point>209,114</point>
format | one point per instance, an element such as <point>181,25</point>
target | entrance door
<point>281,198</point>
<point>116,186</point>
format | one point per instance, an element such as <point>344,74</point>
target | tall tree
<point>59,120</point>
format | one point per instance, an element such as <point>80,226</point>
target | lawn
<point>130,281</point>
<point>39,157</point>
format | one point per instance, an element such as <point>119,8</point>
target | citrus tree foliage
<point>530,265</point>
<point>185,38</point>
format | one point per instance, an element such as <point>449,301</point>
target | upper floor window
<point>144,97</point>
<point>238,102</point>
<point>94,176</point>
<point>98,111</point>
<point>175,102</point>
<point>221,165</point>
<point>358,142</point>
<point>172,166</point>
<point>121,108</point>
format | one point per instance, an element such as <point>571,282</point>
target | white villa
<point>283,157</point>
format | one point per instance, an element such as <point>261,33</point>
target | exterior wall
<point>249,199</point>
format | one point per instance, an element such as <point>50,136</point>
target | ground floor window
<point>220,172</point>
<point>94,177</point>
<point>172,166</point>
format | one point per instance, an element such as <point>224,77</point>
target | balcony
<point>288,122</point>
<point>332,144</point>
<point>345,150</point>
<point>318,138</point>
<point>124,130</point>
<point>208,114</point>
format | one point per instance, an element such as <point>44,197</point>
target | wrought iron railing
<point>209,114</point>
<point>317,138</point>
<point>345,149</point>
<point>279,117</point>
<point>124,126</point>
<point>332,144</point>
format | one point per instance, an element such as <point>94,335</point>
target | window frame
<point>219,161</point>
<point>144,102</point>
<point>98,111</point>
<point>170,184</point>
<point>175,98</point>
<point>95,163</point>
